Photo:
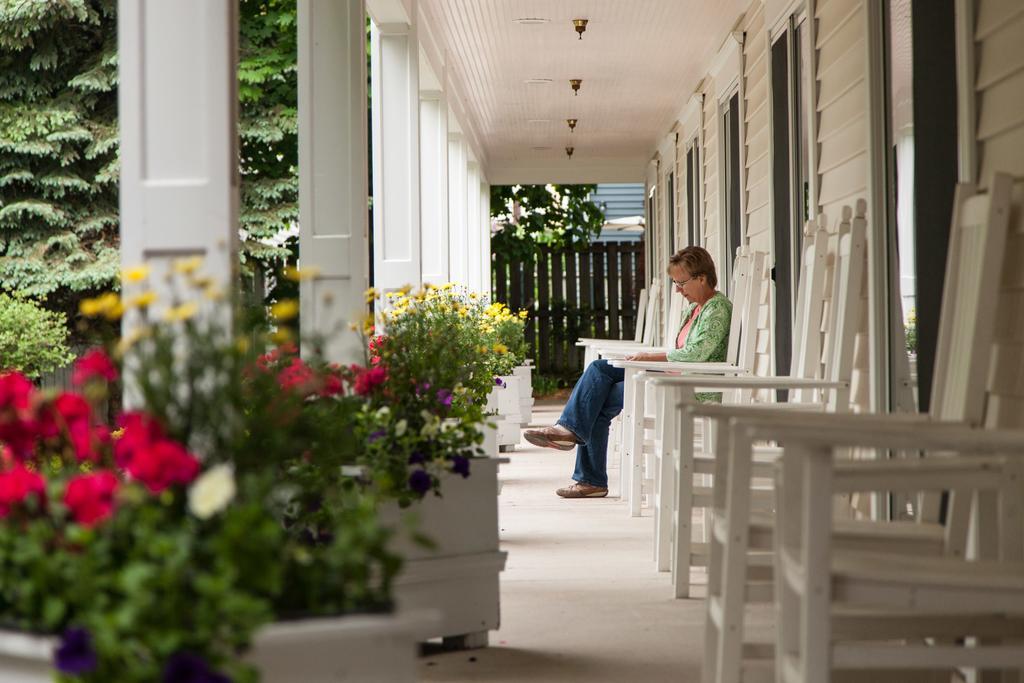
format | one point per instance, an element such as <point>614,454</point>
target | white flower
<point>400,427</point>
<point>212,492</point>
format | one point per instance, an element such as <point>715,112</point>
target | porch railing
<point>572,294</point>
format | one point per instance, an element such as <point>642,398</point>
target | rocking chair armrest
<point>913,475</point>
<point>710,383</point>
<point>594,341</point>
<point>850,430</point>
<point>709,368</point>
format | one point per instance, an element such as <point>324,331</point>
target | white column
<point>394,71</point>
<point>485,238</point>
<point>473,226</point>
<point>332,171</point>
<point>458,237</point>
<point>434,186</point>
<point>177,108</point>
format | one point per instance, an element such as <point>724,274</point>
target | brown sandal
<point>552,437</point>
<point>581,490</point>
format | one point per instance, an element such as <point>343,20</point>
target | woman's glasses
<point>677,283</point>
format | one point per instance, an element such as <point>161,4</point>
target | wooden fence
<point>572,294</point>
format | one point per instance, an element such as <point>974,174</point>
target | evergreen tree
<point>268,128</point>
<point>58,145</point>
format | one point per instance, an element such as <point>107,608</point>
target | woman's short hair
<point>697,261</point>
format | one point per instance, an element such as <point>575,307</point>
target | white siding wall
<point>756,131</point>
<point>999,56</point>
<point>842,149</point>
<point>709,158</point>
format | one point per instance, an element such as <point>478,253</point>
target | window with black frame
<point>790,177</point>
<point>733,237</point>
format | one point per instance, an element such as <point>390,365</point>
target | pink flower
<point>140,431</point>
<point>16,485</point>
<point>368,380</point>
<point>297,377</point>
<point>332,386</point>
<point>90,497</point>
<point>15,392</point>
<point>95,364</point>
<point>161,464</point>
<point>70,415</point>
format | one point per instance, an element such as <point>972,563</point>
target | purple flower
<point>185,667</point>
<point>420,482</point>
<point>75,655</point>
<point>416,458</point>
<point>460,465</point>
<point>422,388</point>
<point>444,397</point>
<point>375,435</point>
<point>499,382</point>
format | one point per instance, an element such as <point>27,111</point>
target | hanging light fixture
<point>575,84</point>
<point>580,26</point>
<point>569,151</point>
<point>572,124</point>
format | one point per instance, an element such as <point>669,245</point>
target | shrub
<point>33,340</point>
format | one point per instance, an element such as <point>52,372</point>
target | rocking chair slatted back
<point>641,307</point>
<point>651,318</point>
<point>810,302</point>
<point>847,303</point>
<point>967,325</point>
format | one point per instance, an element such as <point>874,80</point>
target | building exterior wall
<point>998,34</point>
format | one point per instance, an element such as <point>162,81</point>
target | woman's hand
<point>647,356</point>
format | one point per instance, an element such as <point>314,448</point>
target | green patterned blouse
<point>708,338</point>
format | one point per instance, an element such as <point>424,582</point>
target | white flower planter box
<point>524,373</point>
<point>458,578</point>
<point>372,648</point>
<point>505,401</point>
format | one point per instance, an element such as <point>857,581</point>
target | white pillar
<point>434,186</point>
<point>457,217</point>
<point>485,238</point>
<point>177,110</point>
<point>394,71</point>
<point>473,226</point>
<point>332,171</point>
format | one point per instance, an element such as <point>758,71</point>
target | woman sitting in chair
<point>597,397</point>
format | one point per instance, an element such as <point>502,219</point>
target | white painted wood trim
<point>967,98</point>
<point>458,255</point>
<point>434,187</point>
<point>878,241</point>
<point>394,72</point>
<point>332,171</point>
<point>812,112</point>
<point>178,108</point>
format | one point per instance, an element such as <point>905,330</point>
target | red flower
<point>160,464</point>
<point>16,485</point>
<point>368,380</point>
<point>95,364</point>
<point>297,377</point>
<point>267,360</point>
<point>15,392</point>
<point>69,414</point>
<point>140,431</point>
<point>332,386</point>
<point>90,497</point>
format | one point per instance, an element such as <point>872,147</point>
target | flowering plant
<point>144,561</point>
<point>153,551</point>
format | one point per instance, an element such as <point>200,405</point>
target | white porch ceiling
<point>639,61</point>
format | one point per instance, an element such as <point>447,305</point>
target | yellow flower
<point>242,345</point>
<point>405,289</point>
<point>213,293</point>
<point>188,265</point>
<point>500,348</point>
<point>136,274</point>
<point>109,305</point>
<point>300,274</point>
<point>90,308</point>
<point>481,349</point>
<point>285,310</point>
<point>370,295</point>
<point>131,340</point>
<point>182,312</point>
<point>117,433</point>
<point>282,336</point>
<point>522,315</point>
<point>142,300</point>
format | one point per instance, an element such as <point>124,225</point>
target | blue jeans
<point>595,400</point>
